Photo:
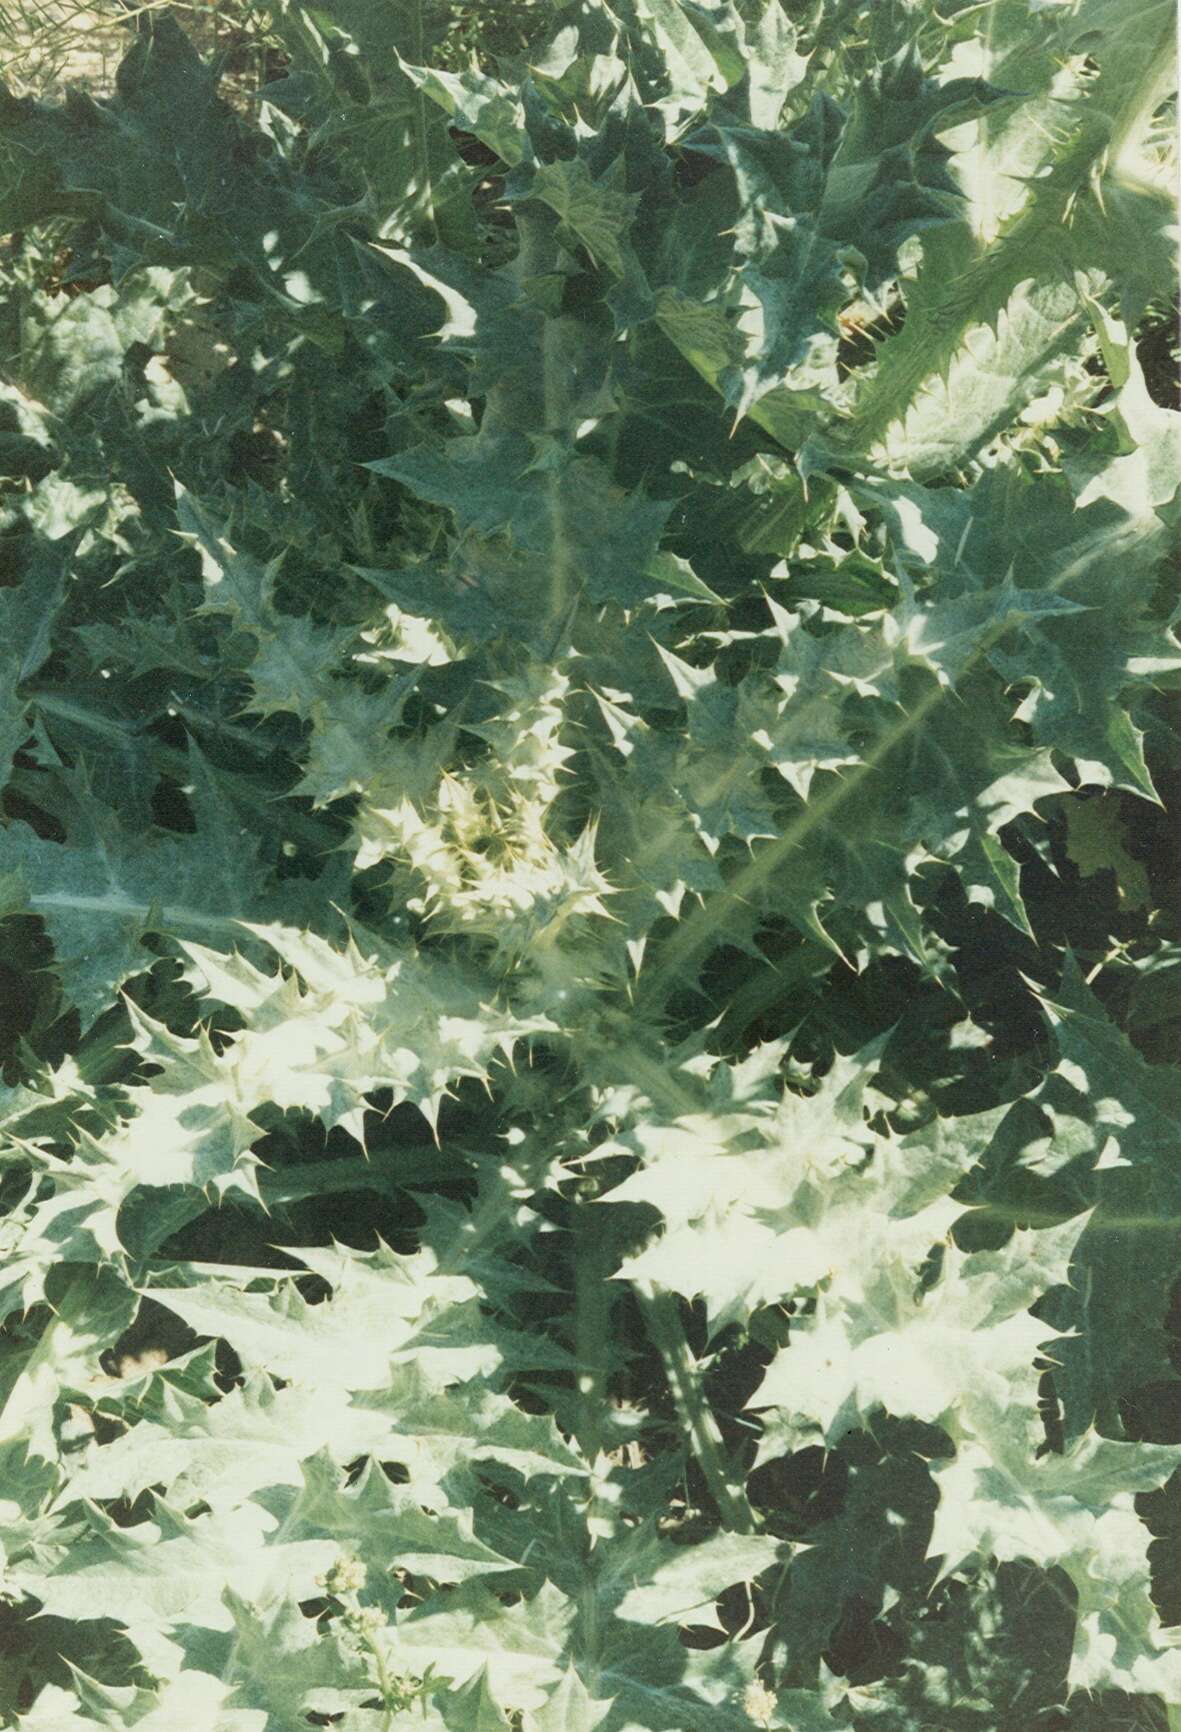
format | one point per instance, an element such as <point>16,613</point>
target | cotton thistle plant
<point>580,819</point>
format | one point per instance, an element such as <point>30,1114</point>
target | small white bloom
<point>347,1576</point>
<point>759,1703</point>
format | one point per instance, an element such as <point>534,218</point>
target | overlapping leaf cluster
<point>591,942</point>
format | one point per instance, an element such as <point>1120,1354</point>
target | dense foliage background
<point>592,929</point>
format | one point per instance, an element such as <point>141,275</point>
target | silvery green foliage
<point>586,739</point>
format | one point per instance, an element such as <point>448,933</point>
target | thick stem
<point>664,1326</point>
<point>1145,95</point>
<point>592,1324</point>
<point>421,138</point>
